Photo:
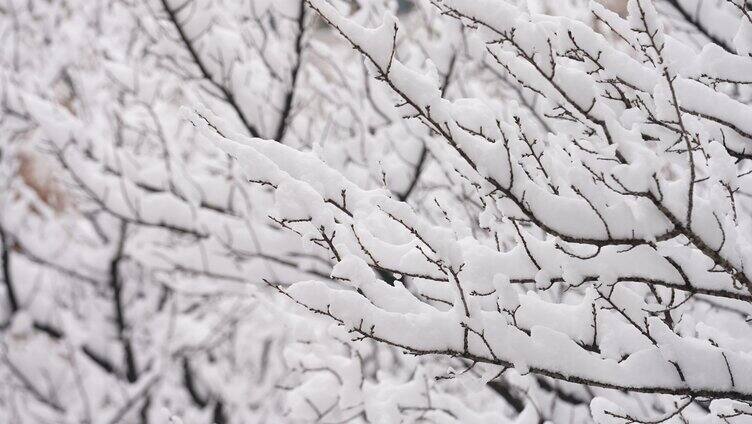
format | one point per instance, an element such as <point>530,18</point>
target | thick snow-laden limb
<point>635,188</point>
<point>339,215</point>
<point>633,180</point>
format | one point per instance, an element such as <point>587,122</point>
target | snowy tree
<point>127,243</point>
<point>316,211</point>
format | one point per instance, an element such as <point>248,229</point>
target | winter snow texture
<point>479,211</point>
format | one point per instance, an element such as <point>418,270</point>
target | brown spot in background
<point>38,174</point>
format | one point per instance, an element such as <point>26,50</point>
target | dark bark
<point>702,29</point>
<point>116,284</point>
<point>5,258</point>
<point>229,97</point>
<point>290,96</point>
